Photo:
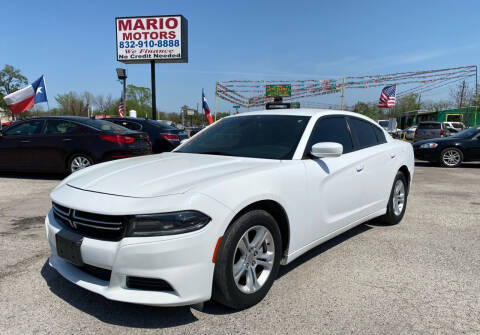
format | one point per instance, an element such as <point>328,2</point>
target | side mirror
<point>326,149</point>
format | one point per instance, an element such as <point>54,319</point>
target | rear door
<point>377,162</point>
<point>16,145</point>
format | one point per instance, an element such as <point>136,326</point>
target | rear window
<point>457,125</point>
<point>161,124</point>
<point>106,126</point>
<point>429,126</point>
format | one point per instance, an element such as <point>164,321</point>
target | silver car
<point>430,129</point>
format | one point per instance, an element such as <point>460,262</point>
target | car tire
<point>77,162</point>
<point>451,157</point>
<point>256,266</point>
<point>397,202</point>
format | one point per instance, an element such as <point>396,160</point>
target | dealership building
<point>470,116</point>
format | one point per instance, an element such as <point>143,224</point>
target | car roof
<point>304,112</point>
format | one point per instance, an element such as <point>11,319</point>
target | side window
<point>60,127</point>
<point>33,127</point>
<point>331,129</point>
<point>363,133</point>
<point>380,135</point>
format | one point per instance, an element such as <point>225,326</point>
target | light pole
<point>122,76</point>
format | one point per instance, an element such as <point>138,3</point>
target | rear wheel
<point>397,202</point>
<point>78,162</point>
<point>248,260</point>
<point>451,157</point>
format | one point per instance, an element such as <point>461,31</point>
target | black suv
<point>163,137</point>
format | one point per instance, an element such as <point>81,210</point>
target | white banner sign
<point>162,39</point>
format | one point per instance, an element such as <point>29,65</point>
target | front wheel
<point>397,203</point>
<point>451,157</point>
<point>248,260</point>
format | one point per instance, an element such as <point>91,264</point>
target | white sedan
<point>217,217</point>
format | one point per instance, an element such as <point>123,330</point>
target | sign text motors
<point>163,39</point>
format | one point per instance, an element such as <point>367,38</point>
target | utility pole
<point>154,93</point>
<point>215,104</point>
<point>462,92</point>
<point>343,91</point>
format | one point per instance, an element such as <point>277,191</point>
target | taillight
<point>122,139</point>
<point>170,137</point>
<point>147,138</point>
<point>442,132</point>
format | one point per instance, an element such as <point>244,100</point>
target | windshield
<point>430,125</point>
<point>467,133</point>
<point>256,136</point>
<point>106,126</point>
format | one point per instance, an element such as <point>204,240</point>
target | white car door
<point>378,159</point>
<point>336,185</point>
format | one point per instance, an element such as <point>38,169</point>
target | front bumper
<point>183,261</point>
<point>431,155</point>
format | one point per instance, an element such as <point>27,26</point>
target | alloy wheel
<point>79,162</point>
<point>398,197</point>
<point>451,157</point>
<point>253,259</point>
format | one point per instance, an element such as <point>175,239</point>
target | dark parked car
<point>451,151</point>
<point>163,136</point>
<point>67,144</point>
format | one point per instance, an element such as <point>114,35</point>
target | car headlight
<point>166,223</point>
<point>431,145</point>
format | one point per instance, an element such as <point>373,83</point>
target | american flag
<point>387,98</point>
<point>121,109</point>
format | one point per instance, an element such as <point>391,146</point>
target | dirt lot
<point>419,277</point>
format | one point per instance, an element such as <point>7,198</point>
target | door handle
<point>392,155</point>
<point>25,141</point>
<point>66,139</point>
<point>360,168</point>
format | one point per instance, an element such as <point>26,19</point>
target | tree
<point>71,104</point>
<point>141,95</point>
<point>461,94</point>
<point>407,103</point>
<point>369,109</point>
<point>104,103</point>
<point>11,80</point>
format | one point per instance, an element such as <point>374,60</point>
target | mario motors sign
<point>162,39</point>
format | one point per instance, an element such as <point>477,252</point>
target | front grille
<point>98,226</point>
<point>149,284</point>
<point>96,272</point>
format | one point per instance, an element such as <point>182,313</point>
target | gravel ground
<point>419,277</point>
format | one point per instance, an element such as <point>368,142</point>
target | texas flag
<point>206,109</point>
<point>25,98</point>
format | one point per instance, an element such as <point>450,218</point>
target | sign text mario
<point>162,39</point>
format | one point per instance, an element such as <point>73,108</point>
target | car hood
<point>159,175</point>
<point>438,140</point>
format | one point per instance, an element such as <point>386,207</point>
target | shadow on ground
<point>468,165</point>
<point>139,316</point>
<point>29,175</point>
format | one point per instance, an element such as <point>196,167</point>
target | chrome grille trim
<point>96,227</point>
<point>75,216</point>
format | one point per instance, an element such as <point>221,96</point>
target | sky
<point>73,43</point>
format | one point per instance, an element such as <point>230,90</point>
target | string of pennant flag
<point>251,93</point>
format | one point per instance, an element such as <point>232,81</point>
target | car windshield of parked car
<point>106,126</point>
<point>255,136</point>
<point>467,133</point>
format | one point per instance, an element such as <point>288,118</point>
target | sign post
<point>152,39</point>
